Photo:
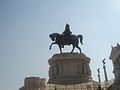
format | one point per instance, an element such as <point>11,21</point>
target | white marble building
<point>115,57</point>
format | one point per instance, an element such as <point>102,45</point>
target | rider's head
<point>67,26</point>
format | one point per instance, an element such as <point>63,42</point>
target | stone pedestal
<point>69,68</point>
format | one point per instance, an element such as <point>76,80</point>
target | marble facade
<point>115,57</point>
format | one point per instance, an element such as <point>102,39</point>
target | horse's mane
<point>56,34</point>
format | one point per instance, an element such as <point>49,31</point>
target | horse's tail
<point>81,38</point>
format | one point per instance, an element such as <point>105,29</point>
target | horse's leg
<point>51,45</point>
<point>60,48</point>
<point>73,49</point>
<point>79,49</point>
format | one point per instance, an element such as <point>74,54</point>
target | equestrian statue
<point>66,38</point>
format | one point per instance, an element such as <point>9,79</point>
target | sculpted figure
<point>67,31</point>
<point>51,72</point>
<point>67,38</point>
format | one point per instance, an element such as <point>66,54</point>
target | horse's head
<point>52,37</point>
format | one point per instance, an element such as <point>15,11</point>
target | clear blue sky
<point>25,26</point>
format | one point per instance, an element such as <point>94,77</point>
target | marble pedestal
<point>69,68</point>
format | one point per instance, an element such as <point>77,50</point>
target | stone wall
<point>33,83</point>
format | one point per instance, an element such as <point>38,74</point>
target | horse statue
<point>61,40</point>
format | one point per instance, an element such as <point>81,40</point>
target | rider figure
<point>67,31</point>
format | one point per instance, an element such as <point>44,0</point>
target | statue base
<point>69,68</point>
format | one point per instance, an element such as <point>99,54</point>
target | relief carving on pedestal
<point>61,68</point>
<point>51,72</point>
<point>84,68</point>
<point>89,71</point>
<point>80,71</point>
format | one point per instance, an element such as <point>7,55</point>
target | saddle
<point>66,39</point>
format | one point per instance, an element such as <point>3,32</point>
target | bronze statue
<point>67,38</point>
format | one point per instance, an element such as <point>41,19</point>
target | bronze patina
<point>66,38</point>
